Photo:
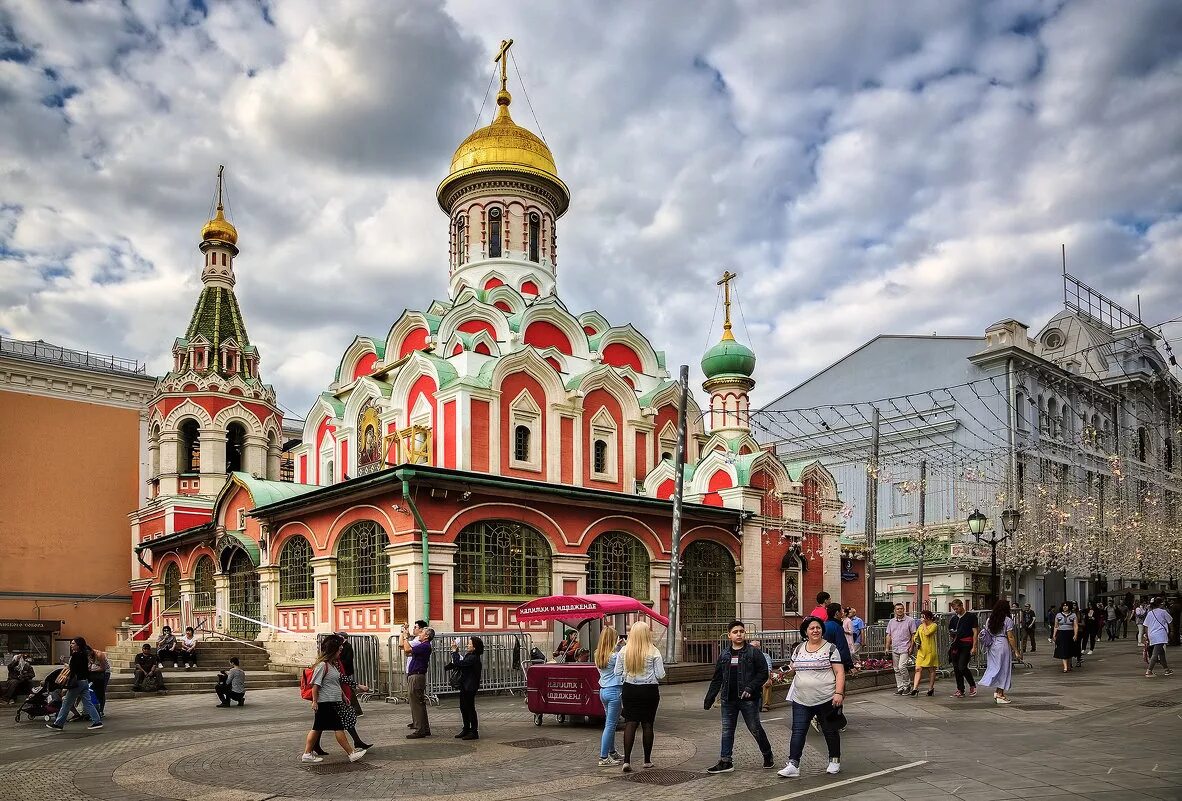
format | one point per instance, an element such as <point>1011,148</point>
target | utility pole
<point>675,548</point>
<point>872,516</point>
<point>922,547</point>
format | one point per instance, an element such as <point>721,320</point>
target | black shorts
<point>328,717</point>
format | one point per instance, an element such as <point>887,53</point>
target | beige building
<point>73,454</point>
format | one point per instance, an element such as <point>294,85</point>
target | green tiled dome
<point>728,357</point>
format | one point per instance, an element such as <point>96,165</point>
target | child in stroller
<point>44,700</point>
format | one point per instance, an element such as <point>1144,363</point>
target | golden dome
<point>220,228</point>
<point>504,145</point>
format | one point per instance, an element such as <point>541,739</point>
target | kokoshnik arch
<point>488,449</point>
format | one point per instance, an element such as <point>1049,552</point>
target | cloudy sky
<point>865,167</point>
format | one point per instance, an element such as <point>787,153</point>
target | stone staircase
<point>212,656</point>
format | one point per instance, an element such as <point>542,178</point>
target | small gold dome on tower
<point>220,229</point>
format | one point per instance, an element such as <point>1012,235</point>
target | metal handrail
<point>159,616</point>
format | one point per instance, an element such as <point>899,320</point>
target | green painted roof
<point>264,492</point>
<point>647,398</point>
<point>217,318</point>
<point>447,373</point>
<point>338,406</point>
<point>743,464</point>
<point>796,468</point>
<point>432,322</point>
<point>728,357</point>
<point>250,546</point>
<point>894,553</point>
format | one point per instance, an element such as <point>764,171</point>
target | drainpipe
<point>414,510</point>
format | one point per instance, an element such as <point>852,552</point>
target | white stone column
<point>564,568</point>
<point>268,597</point>
<point>221,594</point>
<point>749,577</point>
<point>274,452</point>
<point>188,588</point>
<point>169,449</point>
<point>254,457</point>
<point>213,460</point>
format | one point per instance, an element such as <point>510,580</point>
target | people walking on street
<point>419,650</point>
<point>1139,617</point>
<point>858,624</point>
<point>821,610</point>
<point>1028,630</point>
<point>818,691</point>
<point>740,673</point>
<point>1066,634</point>
<point>900,634</point>
<point>962,631</point>
<point>328,703</point>
<point>231,685</point>
<point>1110,621</point>
<point>766,697</point>
<point>610,689</point>
<point>100,677</point>
<point>1001,648</point>
<point>641,668</point>
<point>77,687</point>
<point>1091,629</point>
<point>1157,626</point>
<point>1081,634</point>
<point>468,665</point>
<point>347,662</point>
<point>927,655</point>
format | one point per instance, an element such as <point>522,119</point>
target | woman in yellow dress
<point>926,655</point>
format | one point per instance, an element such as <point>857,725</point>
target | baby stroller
<point>39,703</point>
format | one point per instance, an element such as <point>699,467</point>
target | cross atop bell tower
<point>503,57</point>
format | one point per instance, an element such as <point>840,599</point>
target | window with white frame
<point>791,569</point>
<point>326,461</point>
<point>241,520</point>
<point>603,446</point>
<point>668,441</point>
<point>525,433</point>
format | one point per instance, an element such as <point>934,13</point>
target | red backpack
<point>306,684</point>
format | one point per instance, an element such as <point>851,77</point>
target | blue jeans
<point>730,719</point>
<point>801,717</point>
<point>80,690</point>
<point>612,701</point>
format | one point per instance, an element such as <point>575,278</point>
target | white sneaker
<point>1091,652</point>
<point>834,768</point>
<point>789,771</point>
<point>357,754</point>
<point>310,758</point>
<point>175,665</point>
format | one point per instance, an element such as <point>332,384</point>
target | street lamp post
<point>1009,523</point>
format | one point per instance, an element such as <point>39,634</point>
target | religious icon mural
<point>369,438</point>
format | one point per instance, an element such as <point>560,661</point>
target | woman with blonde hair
<point>606,656</point>
<point>641,668</point>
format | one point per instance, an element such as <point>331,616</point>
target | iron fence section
<point>367,662</point>
<point>500,671</point>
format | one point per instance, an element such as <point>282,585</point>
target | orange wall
<point>69,476</point>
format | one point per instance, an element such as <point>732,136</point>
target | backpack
<point>306,684</point>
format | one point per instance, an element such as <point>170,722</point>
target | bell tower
<point>728,367</point>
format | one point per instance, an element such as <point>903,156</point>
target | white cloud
<point>865,167</point>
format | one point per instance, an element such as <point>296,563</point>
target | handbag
<point>455,680</point>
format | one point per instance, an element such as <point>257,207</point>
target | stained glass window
<point>204,590</point>
<point>362,565</point>
<point>295,570</point>
<point>618,565</point>
<point>502,557</point>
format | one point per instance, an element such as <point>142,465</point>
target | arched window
<point>235,447</point>
<point>1142,444</point>
<point>189,457</point>
<point>203,590</point>
<point>502,557</point>
<point>521,443</point>
<point>618,565</point>
<point>329,474</point>
<point>362,566</point>
<point>1053,418</point>
<point>461,239</point>
<point>494,232</point>
<point>295,570</point>
<point>535,237</point>
<point>172,586</point>
<point>708,575</point>
<point>600,465</point>
<point>791,568</point>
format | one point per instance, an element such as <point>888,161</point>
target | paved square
<point>1112,735</point>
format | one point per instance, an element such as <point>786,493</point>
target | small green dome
<point>728,357</point>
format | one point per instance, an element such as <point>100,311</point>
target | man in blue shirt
<point>858,624</point>
<point>835,633</point>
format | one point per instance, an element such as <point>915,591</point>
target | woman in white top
<point>1066,632</point>
<point>189,648</point>
<point>641,667</point>
<point>818,691</point>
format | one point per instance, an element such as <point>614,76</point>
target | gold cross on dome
<point>725,283</point>
<point>503,58</point>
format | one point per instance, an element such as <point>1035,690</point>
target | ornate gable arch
<point>407,324</point>
<point>359,348</point>
<point>628,336</point>
<point>322,409</point>
<point>606,378</point>
<point>550,309</point>
<point>705,469</point>
<point>187,409</point>
<point>366,389</point>
<point>507,295</point>
<point>470,342</point>
<point>529,361</point>
<point>826,483</point>
<point>594,320</point>
<point>237,413</point>
<point>473,309</point>
<point>662,472</point>
<point>767,462</point>
<point>417,366</point>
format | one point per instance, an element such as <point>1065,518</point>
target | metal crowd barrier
<point>500,664</point>
<point>367,661</point>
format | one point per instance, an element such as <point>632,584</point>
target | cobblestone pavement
<point>1104,732</point>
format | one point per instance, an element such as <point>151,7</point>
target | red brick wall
<point>511,387</point>
<point>480,434</point>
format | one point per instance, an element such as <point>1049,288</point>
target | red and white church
<point>491,448</point>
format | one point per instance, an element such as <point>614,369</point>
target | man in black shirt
<point>962,630</point>
<point>147,664</point>
<point>739,676</point>
<point>1027,633</point>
